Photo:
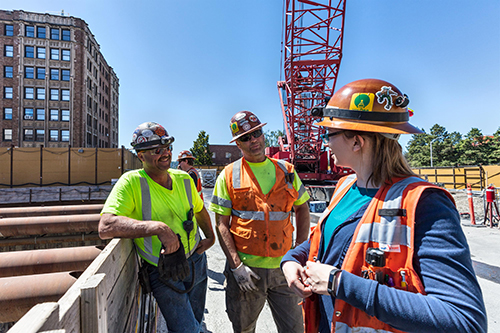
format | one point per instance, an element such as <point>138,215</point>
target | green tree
<point>494,157</point>
<point>201,150</point>
<point>471,148</point>
<point>272,138</point>
<point>418,153</point>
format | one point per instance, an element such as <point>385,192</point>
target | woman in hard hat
<point>388,254</point>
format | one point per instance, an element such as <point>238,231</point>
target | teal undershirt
<point>353,200</point>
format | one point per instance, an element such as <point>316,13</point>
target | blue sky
<point>191,64</point>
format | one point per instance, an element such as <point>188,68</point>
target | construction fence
<point>457,178</point>
<point>24,167</point>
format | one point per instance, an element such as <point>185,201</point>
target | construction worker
<point>388,254</point>
<point>160,209</point>
<point>186,163</point>
<point>253,198</point>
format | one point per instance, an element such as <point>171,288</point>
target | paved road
<point>485,248</point>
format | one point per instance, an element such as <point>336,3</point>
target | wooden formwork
<point>104,298</point>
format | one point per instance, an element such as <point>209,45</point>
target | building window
<point>54,135</point>
<point>54,94</point>
<point>65,74</point>
<point>9,30</point>
<point>54,74</point>
<point>29,51</point>
<point>65,135</point>
<point>40,114</point>
<point>65,55</point>
<point>7,113</point>
<point>28,113</point>
<point>54,114</point>
<point>8,71</point>
<point>28,72</point>
<point>30,31</point>
<point>40,73</point>
<point>40,93</point>
<point>64,115</point>
<point>66,34</point>
<point>28,135</point>
<point>9,51</point>
<point>40,52</point>
<point>29,92</point>
<point>7,92</point>
<point>41,32</point>
<point>54,33</point>
<point>65,95</point>
<point>7,134</point>
<point>213,154</point>
<point>54,54</point>
<point>40,135</point>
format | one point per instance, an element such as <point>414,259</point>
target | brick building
<point>56,87</point>
<point>224,154</point>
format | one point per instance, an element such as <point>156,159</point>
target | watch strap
<point>332,281</point>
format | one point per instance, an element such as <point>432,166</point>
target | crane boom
<point>311,55</point>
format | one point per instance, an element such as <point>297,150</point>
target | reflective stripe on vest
<point>221,202</point>
<point>146,216</point>
<point>251,215</point>
<point>389,231</point>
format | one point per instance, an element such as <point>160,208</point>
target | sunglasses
<point>161,151</point>
<point>326,137</point>
<point>247,137</point>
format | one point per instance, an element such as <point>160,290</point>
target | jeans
<point>243,308</point>
<point>182,312</point>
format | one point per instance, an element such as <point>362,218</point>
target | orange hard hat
<point>242,123</point>
<point>369,105</point>
<point>185,154</point>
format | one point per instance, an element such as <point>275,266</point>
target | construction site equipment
<point>490,205</point>
<point>18,263</point>
<point>311,53</point>
<point>50,210</point>
<point>41,225</point>
<point>471,204</point>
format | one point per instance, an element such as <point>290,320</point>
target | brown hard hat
<point>185,154</point>
<point>369,105</point>
<point>242,123</point>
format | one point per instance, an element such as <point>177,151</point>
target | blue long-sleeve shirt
<point>454,301</point>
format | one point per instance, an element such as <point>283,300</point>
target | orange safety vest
<point>387,224</point>
<point>260,223</point>
<point>198,181</point>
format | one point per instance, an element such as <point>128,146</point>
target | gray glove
<point>243,276</point>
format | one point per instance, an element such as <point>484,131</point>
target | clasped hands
<point>304,281</point>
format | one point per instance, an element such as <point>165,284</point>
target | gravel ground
<point>462,203</point>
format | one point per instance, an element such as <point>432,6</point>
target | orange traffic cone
<point>471,205</point>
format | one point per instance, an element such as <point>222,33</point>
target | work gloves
<point>173,266</point>
<point>243,276</point>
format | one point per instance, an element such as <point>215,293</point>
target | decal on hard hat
<point>239,116</point>
<point>160,131</point>
<point>410,111</point>
<point>385,95</point>
<point>234,127</point>
<point>362,101</point>
<point>141,139</point>
<point>246,126</point>
<point>253,118</point>
<point>147,133</point>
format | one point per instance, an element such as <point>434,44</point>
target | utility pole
<point>431,149</point>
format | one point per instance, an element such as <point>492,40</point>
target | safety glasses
<point>248,136</point>
<point>161,151</point>
<point>326,137</point>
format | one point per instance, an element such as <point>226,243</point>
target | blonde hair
<point>388,161</point>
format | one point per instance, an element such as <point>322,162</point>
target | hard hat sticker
<point>253,118</point>
<point>385,95</point>
<point>362,101</point>
<point>239,116</point>
<point>246,126</point>
<point>147,133</point>
<point>234,127</point>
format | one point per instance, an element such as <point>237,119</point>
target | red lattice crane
<point>311,55</point>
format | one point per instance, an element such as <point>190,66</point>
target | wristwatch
<point>332,281</point>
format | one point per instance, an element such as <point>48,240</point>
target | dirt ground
<point>462,203</point>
